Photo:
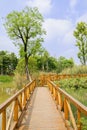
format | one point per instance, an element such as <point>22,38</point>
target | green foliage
<point>6,78</point>
<point>19,81</point>
<point>64,63</point>
<point>33,64</point>
<point>80,34</point>
<point>48,63</point>
<point>25,28</point>
<point>84,123</point>
<point>52,63</point>
<point>24,25</point>
<point>75,70</point>
<point>73,82</point>
<point>7,87</point>
<point>20,67</point>
<point>77,87</point>
<point>8,62</point>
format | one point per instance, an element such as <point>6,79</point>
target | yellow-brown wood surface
<point>42,113</point>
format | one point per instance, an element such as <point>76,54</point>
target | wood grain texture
<point>42,113</point>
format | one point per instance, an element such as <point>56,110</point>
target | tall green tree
<point>80,34</point>
<point>25,28</point>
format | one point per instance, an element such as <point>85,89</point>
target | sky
<point>60,20</point>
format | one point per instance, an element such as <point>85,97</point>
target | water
<point>5,93</point>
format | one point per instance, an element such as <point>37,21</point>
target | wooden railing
<point>43,78</point>
<point>12,109</point>
<point>64,101</point>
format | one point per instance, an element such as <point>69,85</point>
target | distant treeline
<point>9,62</point>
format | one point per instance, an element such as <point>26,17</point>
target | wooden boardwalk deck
<point>42,113</point>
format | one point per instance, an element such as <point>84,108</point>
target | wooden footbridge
<point>47,107</point>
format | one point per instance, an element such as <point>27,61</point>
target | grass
<point>80,94</point>
<point>79,69</point>
<point>6,78</point>
<point>6,87</point>
<point>77,88</point>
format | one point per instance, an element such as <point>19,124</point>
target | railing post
<point>24,102</point>
<point>79,118</point>
<point>60,100</point>
<point>57,97</point>
<point>4,120</point>
<point>53,92</point>
<point>21,100</point>
<point>51,89</point>
<point>65,109</point>
<point>16,110</point>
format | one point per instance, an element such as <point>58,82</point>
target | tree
<point>25,28</point>
<point>44,60</point>
<point>64,63</point>
<point>52,63</point>
<point>80,34</point>
<point>8,62</point>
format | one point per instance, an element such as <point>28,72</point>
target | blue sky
<point>60,19</point>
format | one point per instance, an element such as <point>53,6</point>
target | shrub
<point>75,70</point>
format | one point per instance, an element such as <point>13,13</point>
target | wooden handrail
<point>43,78</point>
<point>18,102</point>
<point>64,101</point>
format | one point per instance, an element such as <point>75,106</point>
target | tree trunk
<point>47,66</point>
<point>28,77</point>
<point>26,69</point>
<point>43,66</point>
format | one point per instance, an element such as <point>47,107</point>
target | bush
<point>20,80</point>
<point>75,70</point>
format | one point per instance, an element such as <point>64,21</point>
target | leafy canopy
<point>80,34</point>
<point>25,27</point>
<point>26,30</point>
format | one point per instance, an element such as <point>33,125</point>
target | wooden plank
<point>42,113</point>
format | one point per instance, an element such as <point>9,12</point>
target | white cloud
<point>72,10</point>
<point>57,28</point>
<point>82,18</point>
<point>69,38</point>
<point>44,6</point>
<point>73,3</point>
<point>7,45</point>
<point>59,39</point>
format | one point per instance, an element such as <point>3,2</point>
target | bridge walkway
<point>41,113</point>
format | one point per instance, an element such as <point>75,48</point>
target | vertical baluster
<point>54,94</point>
<point>60,100</point>
<point>16,110</point>
<point>57,97</point>
<point>52,88</point>
<point>24,101</point>
<point>28,93</point>
<point>79,118</point>
<point>4,120</point>
<point>66,112</point>
<point>30,89</point>
<point>21,100</point>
